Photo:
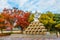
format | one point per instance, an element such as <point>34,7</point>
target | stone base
<point>5,34</point>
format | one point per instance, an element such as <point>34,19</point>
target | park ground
<point>30,37</point>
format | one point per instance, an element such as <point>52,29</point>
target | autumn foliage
<point>11,16</point>
<point>23,20</point>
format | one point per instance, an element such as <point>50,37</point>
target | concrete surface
<point>30,37</point>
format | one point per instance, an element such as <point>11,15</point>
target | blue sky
<point>32,5</point>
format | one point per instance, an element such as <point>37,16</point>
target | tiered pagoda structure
<point>36,27</point>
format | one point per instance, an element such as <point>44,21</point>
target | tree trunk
<point>57,33</point>
<point>1,30</point>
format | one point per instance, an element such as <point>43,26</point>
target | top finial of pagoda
<point>37,15</point>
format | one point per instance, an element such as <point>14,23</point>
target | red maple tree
<point>23,20</point>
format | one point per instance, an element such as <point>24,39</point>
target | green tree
<point>57,26</point>
<point>57,19</point>
<point>48,20</point>
<point>31,18</point>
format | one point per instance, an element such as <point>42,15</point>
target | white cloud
<point>40,5</point>
<point>19,2</point>
<point>51,2</point>
<point>45,4</point>
<point>4,4</point>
